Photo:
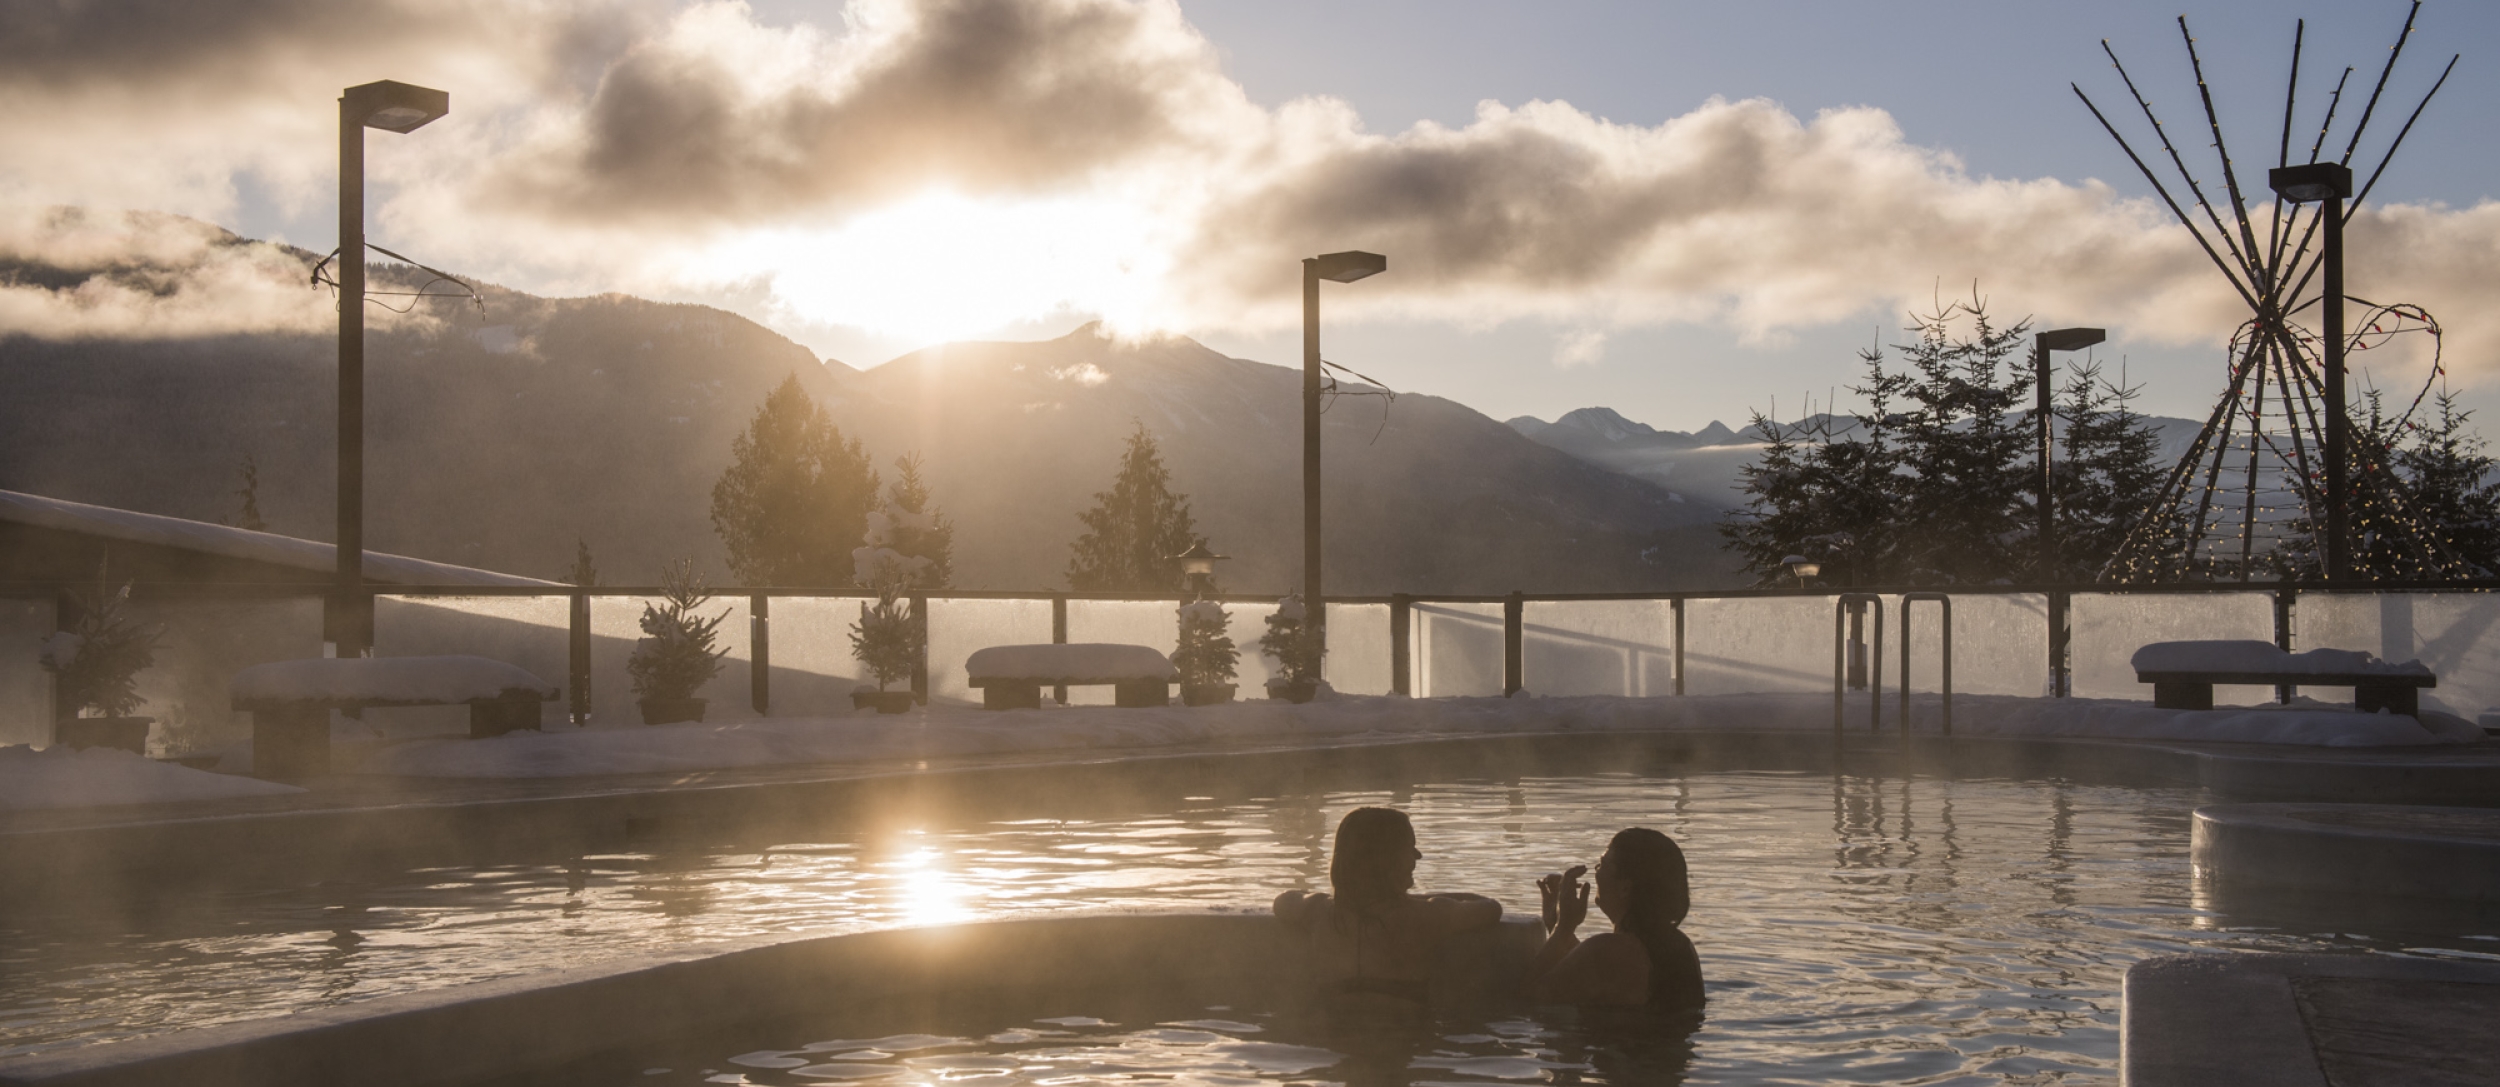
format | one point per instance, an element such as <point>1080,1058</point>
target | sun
<point>944,266</point>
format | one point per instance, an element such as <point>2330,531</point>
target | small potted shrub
<point>677,654</point>
<point>886,640</point>
<point>1206,655</point>
<point>96,663</point>
<point>1293,642</point>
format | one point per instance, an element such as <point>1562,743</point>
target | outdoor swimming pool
<point>1853,928</point>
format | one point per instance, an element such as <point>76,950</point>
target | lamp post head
<point>1198,561</point>
<point>2070,339</point>
<point>2311,183</point>
<point>393,106</point>
<point>1346,267</point>
<point>1802,568</point>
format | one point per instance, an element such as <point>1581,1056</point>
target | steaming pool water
<point>1853,928</point>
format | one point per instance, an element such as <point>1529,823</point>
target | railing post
<point>1513,611</point>
<point>1401,650</point>
<point>577,676</point>
<point>1676,604</point>
<point>2286,597</point>
<point>1059,636</point>
<point>760,653</point>
<point>1944,605</point>
<point>920,660</point>
<point>2061,638</point>
<point>1840,661</point>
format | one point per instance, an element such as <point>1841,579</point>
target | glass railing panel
<point>206,641</point>
<point>2456,634</point>
<point>2110,627</point>
<point>25,688</point>
<point>958,627</point>
<point>1761,644</point>
<point>1458,650</point>
<point>813,672</point>
<point>1607,647</point>
<point>1358,650</point>
<point>2000,644</point>
<point>1151,623</point>
<point>533,633</point>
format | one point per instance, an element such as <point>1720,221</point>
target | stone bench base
<point>291,740</point>
<point>2370,692</point>
<point>1025,693</point>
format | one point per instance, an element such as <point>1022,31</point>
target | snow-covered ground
<point>957,731</point>
<point>58,777</point>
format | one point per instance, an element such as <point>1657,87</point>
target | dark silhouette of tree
<point>2449,468</point>
<point>249,515</point>
<point>1134,528</point>
<point>2108,471</point>
<point>794,500</point>
<point>583,572</point>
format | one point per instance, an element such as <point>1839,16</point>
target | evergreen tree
<point>96,661</point>
<point>1293,642</point>
<point>795,495</point>
<point>2108,472</point>
<point>2450,470</point>
<point>1205,653</point>
<point>917,529</point>
<point>1963,504</point>
<point>1134,528</point>
<point>885,640</point>
<point>678,652</point>
<point>583,572</point>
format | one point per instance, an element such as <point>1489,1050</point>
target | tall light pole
<point>2056,339</point>
<point>1343,267</point>
<point>2328,184</point>
<point>391,107</point>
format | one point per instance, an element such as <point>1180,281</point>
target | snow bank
<point>2248,655</point>
<point>1098,662</point>
<point>939,732</point>
<point>59,777</point>
<point>385,680</point>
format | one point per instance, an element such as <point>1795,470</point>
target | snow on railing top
<point>237,543</point>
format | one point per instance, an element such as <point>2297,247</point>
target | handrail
<point>1840,659</point>
<point>1945,603</point>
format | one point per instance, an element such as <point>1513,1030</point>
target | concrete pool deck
<point>2279,1020</point>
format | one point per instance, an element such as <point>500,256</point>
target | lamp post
<point>2056,339</point>
<point>1343,267</point>
<point>1198,564</point>
<point>2327,184</point>
<point>391,107</point>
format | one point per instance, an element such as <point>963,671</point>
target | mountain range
<point>498,438</point>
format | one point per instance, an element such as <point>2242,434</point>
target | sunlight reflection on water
<point>1853,929</point>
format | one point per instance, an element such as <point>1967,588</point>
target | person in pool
<point>1647,960</point>
<point>1374,935</point>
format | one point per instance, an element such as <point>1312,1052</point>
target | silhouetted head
<point>1374,863</point>
<point>1641,879</point>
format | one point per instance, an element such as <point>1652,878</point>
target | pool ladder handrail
<point>1840,660</point>
<point>1945,605</point>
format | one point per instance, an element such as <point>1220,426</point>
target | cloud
<point>1579,348</point>
<point>937,165</point>
<point>72,274</point>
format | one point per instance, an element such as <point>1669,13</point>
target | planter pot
<point>884,701</point>
<point>669,711</point>
<point>1206,694</point>
<point>127,733</point>
<point>1293,692</point>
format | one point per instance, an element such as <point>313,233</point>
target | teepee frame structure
<point>2247,499</point>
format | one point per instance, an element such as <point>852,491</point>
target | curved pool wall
<point>136,854</point>
<point>511,1031</point>
<point>2374,850</point>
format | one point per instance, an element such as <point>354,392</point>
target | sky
<point>1683,211</point>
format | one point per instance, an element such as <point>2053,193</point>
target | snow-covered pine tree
<point>885,640</point>
<point>1134,528</point>
<point>918,529</point>
<point>1205,654</point>
<point>96,662</point>
<point>1293,642</point>
<point>794,496</point>
<point>678,652</point>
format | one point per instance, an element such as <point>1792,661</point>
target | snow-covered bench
<point>290,701</point>
<point>2183,674</point>
<point>1012,676</point>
